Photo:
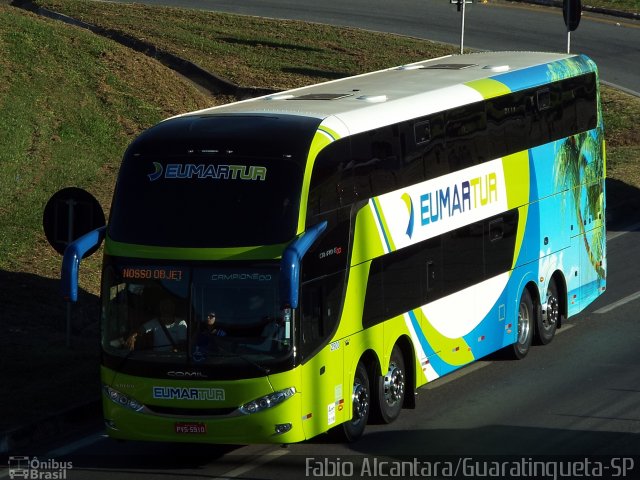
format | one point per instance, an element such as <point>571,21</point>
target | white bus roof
<point>362,102</point>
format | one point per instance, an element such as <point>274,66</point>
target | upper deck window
<point>213,181</point>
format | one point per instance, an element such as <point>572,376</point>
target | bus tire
<point>547,321</point>
<point>353,429</point>
<point>391,387</point>
<point>524,337</point>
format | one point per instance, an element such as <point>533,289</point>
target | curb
<point>61,425</point>
<point>585,8</point>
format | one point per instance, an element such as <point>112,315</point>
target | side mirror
<point>290,265</point>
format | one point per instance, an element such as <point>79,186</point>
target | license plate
<point>189,428</point>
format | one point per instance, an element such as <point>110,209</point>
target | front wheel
<point>353,429</point>
<point>525,326</point>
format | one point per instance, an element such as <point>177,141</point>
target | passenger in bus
<point>169,331</point>
<point>211,329</point>
<point>205,340</point>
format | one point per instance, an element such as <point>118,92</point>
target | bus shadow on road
<point>623,204</point>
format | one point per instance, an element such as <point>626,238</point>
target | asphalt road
<point>613,43</point>
<point>580,396</point>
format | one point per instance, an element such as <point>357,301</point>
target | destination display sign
<point>152,273</point>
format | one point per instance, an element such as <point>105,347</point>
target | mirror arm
<point>71,261</point>
<point>290,264</point>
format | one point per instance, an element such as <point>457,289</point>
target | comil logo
<point>173,171</point>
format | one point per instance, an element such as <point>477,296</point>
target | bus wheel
<point>525,326</point>
<point>360,399</point>
<point>547,322</point>
<point>391,388</point>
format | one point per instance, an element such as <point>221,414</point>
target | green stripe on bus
<point>383,225</point>
<point>489,88</point>
<point>324,136</point>
<point>268,252</point>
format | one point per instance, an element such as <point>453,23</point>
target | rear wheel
<point>525,326</point>
<point>353,429</point>
<point>547,322</point>
<point>391,388</point>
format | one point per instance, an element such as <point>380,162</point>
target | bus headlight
<point>122,399</point>
<point>267,401</point>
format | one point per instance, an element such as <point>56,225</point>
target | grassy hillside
<point>253,51</point>
<point>69,104</point>
<point>71,101</point>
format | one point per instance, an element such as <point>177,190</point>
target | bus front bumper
<point>278,425</point>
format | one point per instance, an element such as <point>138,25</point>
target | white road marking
<point>630,228</point>
<point>619,303</point>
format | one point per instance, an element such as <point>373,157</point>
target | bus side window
<point>330,177</point>
<point>434,154</point>
<point>311,323</point>
<point>375,162</point>
<point>320,311</point>
<point>586,97</point>
<point>403,280</point>
<point>543,99</point>
<point>466,136</point>
<point>499,243</point>
<point>463,257</point>
<point>496,229</point>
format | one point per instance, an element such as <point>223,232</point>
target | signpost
<point>69,214</point>
<point>571,12</point>
<point>461,8</point>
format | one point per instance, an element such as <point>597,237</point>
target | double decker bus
<point>354,240</point>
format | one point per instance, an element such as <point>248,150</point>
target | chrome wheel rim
<point>360,402</point>
<point>393,385</point>
<point>524,323</point>
<point>551,312</point>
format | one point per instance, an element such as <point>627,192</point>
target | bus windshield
<point>191,314</point>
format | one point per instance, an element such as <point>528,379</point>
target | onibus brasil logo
<point>202,171</point>
<point>35,468</point>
